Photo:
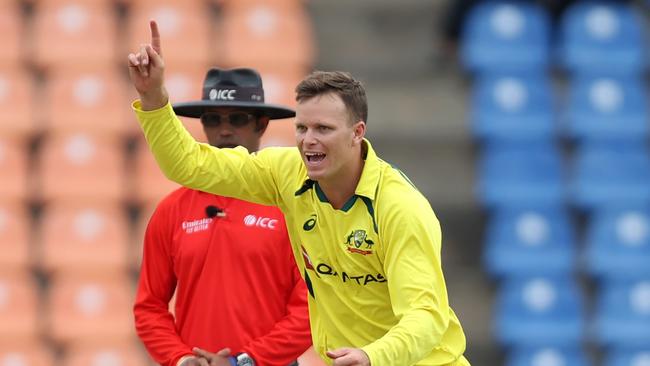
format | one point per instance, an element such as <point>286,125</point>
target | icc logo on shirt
<point>263,222</point>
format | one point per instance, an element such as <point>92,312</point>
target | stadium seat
<point>184,83</point>
<point>28,353</point>
<point>539,311</point>
<point>628,356</point>
<point>280,84</point>
<point>81,165</point>
<point>14,170</point>
<point>144,215</point>
<point>547,356</point>
<point>85,309</point>
<point>602,36</point>
<point>109,354</point>
<point>19,309</point>
<point>13,36</point>
<point>607,107</point>
<point>258,34</point>
<point>138,237</point>
<point>84,32</point>
<point>87,98</point>
<point>17,117</point>
<point>622,317</point>
<point>520,174</point>
<point>529,241</point>
<point>618,242</point>
<point>510,106</point>
<point>279,88</point>
<point>610,173</point>
<point>84,237</point>
<point>185,27</point>
<point>15,230</point>
<point>249,3</point>
<point>149,184</point>
<point>505,36</point>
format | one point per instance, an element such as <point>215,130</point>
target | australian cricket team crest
<point>358,242</point>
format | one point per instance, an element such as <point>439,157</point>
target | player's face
<point>328,141</point>
<point>228,127</point>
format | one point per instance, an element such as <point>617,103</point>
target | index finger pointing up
<point>155,37</point>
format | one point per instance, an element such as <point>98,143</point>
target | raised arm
<point>228,172</point>
<point>146,70</point>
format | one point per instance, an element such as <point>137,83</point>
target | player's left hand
<point>214,359</point>
<point>349,357</point>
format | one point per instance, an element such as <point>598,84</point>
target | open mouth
<point>314,157</point>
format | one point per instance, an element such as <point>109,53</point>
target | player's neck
<point>339,189</point>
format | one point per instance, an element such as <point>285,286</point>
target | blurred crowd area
<point>77,183</point>
<point>559,114</point>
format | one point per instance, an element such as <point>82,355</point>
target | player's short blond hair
<point>350,90</point>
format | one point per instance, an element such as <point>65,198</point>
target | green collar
<point>367,186</point>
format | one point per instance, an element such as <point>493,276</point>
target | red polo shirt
<point>236,281</point>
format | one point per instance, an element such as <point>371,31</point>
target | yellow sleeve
<point>227,172</point>
<point>411,240</point>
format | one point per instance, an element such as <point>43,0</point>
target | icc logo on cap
<point>223,94</point>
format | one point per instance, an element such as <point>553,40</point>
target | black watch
<point>243,359</point>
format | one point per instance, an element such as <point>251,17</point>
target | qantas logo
<point>258,221</point>
<point>324,269</point>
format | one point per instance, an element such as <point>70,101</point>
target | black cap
<point>236,88</point>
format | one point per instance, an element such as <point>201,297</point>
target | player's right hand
<point>146,70</point>
<point>349,357</point>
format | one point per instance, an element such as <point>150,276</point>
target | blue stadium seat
<point>516,106</point>
<point>610,173</point>
<point>618,242</point>
<point>547,356</point>
<point>539,311</point>
<point>520,175</point>
<point>623,313</point>
<point>603,37</point>
<point>505,35</point>
<point>607,107</point>
<point>627,356</point>
<point>529,241</point>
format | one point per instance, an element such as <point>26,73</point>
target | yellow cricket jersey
<point>372,268</point>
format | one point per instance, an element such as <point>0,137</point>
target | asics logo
<point>310,223</point>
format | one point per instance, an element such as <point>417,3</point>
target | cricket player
<point>366,240</point>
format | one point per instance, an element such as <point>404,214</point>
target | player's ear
<point>262,124</point>
<point>359,131</point>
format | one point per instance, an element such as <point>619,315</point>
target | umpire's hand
<point>214,359</point>
<point>195,361</point>
<point>146,71</point>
